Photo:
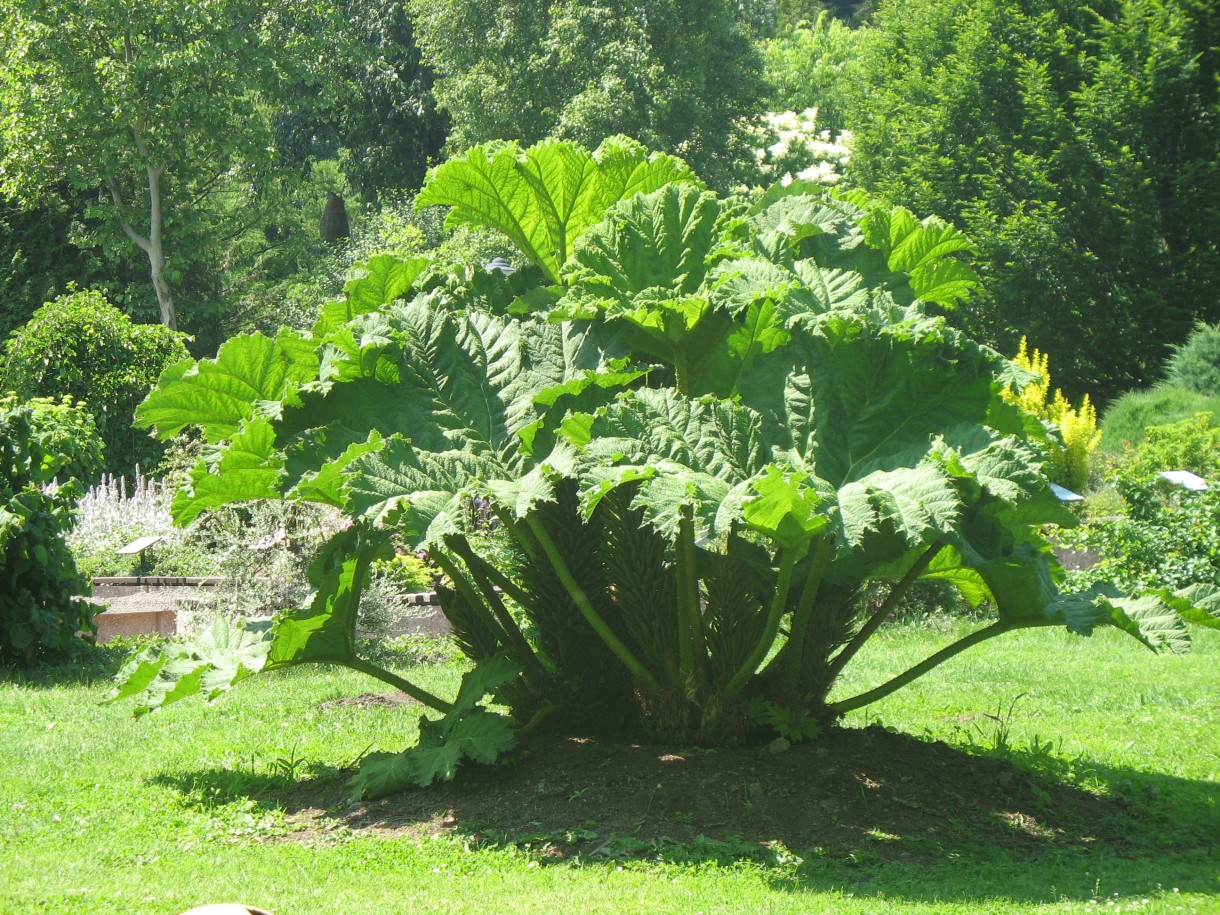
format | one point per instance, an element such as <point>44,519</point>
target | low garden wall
<point>149,605</point>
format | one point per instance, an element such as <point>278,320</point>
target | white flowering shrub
<point>789,145</point>
<point>113,514</point>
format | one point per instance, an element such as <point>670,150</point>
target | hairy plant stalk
<point>471,593</point>
<point>478,570</point>
<point>417,693</point>
<point>520,533</point>
<point>497,578</point>
<point>681,370</point>
<point>613,642</point>
<point>779,601</point>
<point>803,618</point>
<point>873,623</point>
<point>930,663</point>
<point>692,644</point>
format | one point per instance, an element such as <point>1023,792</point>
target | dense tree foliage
<point>677,76</point>
<point>370,102</point>
<point>36,259</point>
<point>1080,146</point>
<point>387,118</point>
<point>148,106</point>
<point>808,67</point>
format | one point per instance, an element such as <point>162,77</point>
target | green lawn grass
<point>103,813</point>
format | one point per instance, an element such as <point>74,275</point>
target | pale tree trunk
<point>156,253</point>
<point>150,244</point>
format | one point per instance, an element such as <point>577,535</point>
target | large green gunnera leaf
<point>687,453</point>
<point>545,197</point>
<point>849,397</point>
<point>383,279</point>
<point>924,250</point>
<point>243,470</point>
<point>216,659</point>
<point>250,376</point>
<point>657,241</point>
<point>468,731</point>
<point>324,628</point>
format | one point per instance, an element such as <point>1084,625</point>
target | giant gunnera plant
<point>705,425</point>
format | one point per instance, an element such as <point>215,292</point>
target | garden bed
<point>139,605</point>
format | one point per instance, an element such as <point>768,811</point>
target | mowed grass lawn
<point>100,812</point>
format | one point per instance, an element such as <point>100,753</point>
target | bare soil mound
<point>853,791</point>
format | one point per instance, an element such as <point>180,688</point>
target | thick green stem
<point>613,642</point>
<point>464,587</point>
<point>692,646</point>
<point>803,615</point>
<point>478,567</point>
<point>883,612</point>
<point>779,601</point>
<point>681,371</point>
<point>498,579</point>
<point>537,719</point>
<point>520,533</point>
<point>415,692</point>
<point>880,692</point>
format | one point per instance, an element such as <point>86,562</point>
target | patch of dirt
<point>852,789</point>
<point>381,700</point>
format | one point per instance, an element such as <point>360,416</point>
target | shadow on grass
<point>86,665</point>
<point>278,783</point>
<point>864,811</point>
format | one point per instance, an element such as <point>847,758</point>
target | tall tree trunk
<point>165,297</point>
<point>152,243</point>
<point>156,252</point>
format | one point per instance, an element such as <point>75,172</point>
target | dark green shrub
<point>1195,365</point>
<point>80,345</point>
<point>38,259</point>
<point>40,442</point>
<point>1128,417</point>
<point>1165,537</point>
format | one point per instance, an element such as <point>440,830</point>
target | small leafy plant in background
<point>705,426</point>
<point>48,450</point>
<point>1191,444</point>
<point>409,573</point>
<point>1166,536</point>
<point>1153,532</point>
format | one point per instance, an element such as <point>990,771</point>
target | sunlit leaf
<point>546,197</point>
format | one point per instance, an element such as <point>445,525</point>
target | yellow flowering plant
<point>1075,434</point>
